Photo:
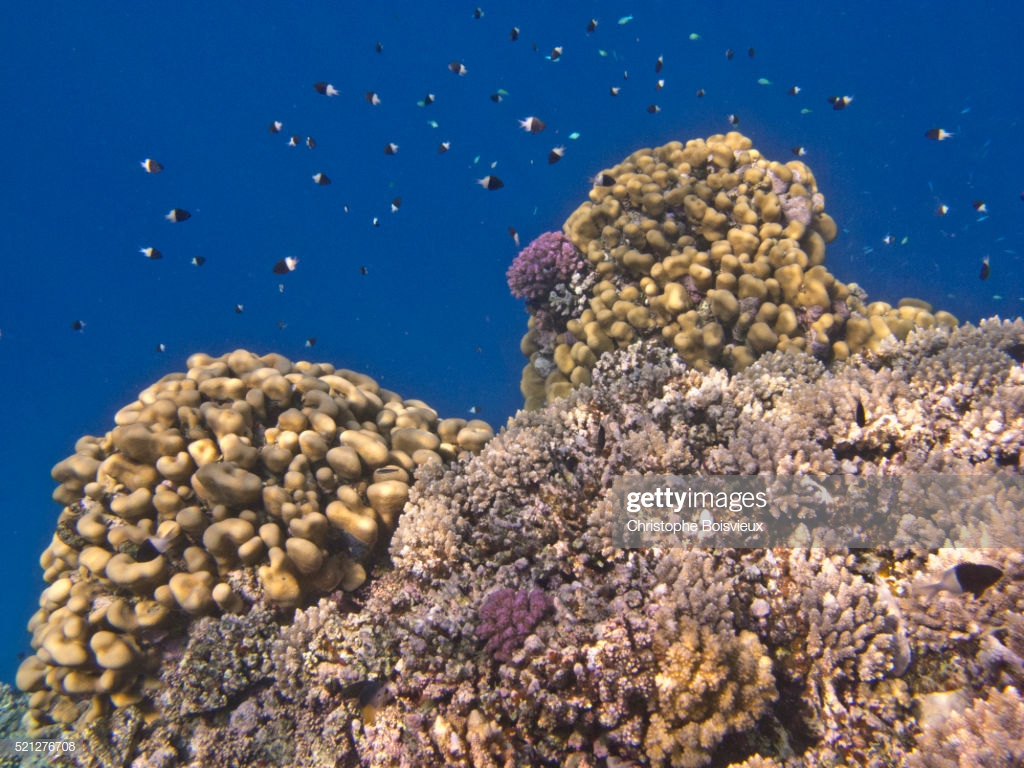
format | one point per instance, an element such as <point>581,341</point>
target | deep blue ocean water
<point>90,90</point>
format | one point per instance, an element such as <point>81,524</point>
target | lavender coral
<point>507,616</point>
<point>547,261</point>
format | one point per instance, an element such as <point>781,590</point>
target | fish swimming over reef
<point>965,577</point>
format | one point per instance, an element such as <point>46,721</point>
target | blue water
<point>89,90</point>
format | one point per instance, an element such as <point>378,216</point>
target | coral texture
<point>247,480</point>
<point>709,247</point>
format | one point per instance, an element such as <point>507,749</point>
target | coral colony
<point>268,562</point>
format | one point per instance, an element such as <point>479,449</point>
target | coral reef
<point>707,246</point>
<point>247,480</point>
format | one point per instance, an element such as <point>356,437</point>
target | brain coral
<point>245,479</point>
<point>711,248</point>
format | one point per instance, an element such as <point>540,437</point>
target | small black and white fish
<point>942,210</point>
<point>375,222</point>
<point>799,151</point>
<point>532,125</point>
<point>379,47</point>
<point>591,25</point>
<point>396,204</point>
<point>286,265</point>
<point>363,270</point>
<point>734,120</point>
<point>614,90</point>
<point>474,409</point>
<point>478,13</point>
<point>276,126</point>
<point>178,214</point>
<point>443,147</point>
<point>490,182</point>
<point>974,578</point>
<point>311,341</point>
<point>293,141</point>
<point>458,68</point>
<point>750,52</point>
<point>555,155</point>
<point>729,54</point>
<point>556,53</point>
<point>325,89</point>
<point>78,325</point>
<point>700,93</point>
<point>372,98</point>
<point>151,253</point>
<point>321,179</point>
<point>653,109</point>
<point>794,90</point>
<point>979,206</point>
<point>281,325</point>
<point>659,64</point>
<point>390,148</point>
<point>514,34</point>
<point>311,142</point>
<point>149,165</point>
<point>659,85</point>
<point>426,100</point>
<point>239,309</point>
<point>161,347</point>
<point>937,134</point>
<point>497,98</point>
<point>604,180</point>
<point>840,102</point>
<point>888,239</point>
<point>986,269</point>
<point>514,235</point>
<point>198,261</point>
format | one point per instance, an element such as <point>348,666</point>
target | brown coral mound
<point>246,479</point>
<point>716,251</point>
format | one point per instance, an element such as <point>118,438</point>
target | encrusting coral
<point>246,480</point>
<point>708,246</point>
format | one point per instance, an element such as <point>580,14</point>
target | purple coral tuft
<point>507,616</point>
<point>540,266</point>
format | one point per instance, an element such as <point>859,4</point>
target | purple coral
<point>540,266</point>
<point>507,616</point>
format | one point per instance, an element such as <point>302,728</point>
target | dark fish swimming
<point>325,89</point>
<point>700,93</point>
<point>321,179</point>
<point>658,64</point>
<point>604,180</point>
<point>794,90</point>
<point>979,206</point>
<point>239,309</point>
<point>286,265</point>
<point>198,261</point>
<point>311,142</point>
<point>78,325</point>
<point>514,34</point>
<point>974,578</point>
<point>514,235</point>
<point>458,68</point>
<point>532,125</point>
<point>276,126</point>
<point>396,204</point>
<point>799,151</point>
<point>390,148</point>
<point>151,253</point>
<point>372,98</point>
<point>490,182</point>
<point>937,134</point>
<point>178,214</point>
<point>311,341</point>
<point>555,155</point>
<point>840,102</point>
<point>592,25</point>
<point>734,120</point>
<point>653,109</point>
<point>150,165</point>
<point>986,269</point>
<point>443,147</point>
